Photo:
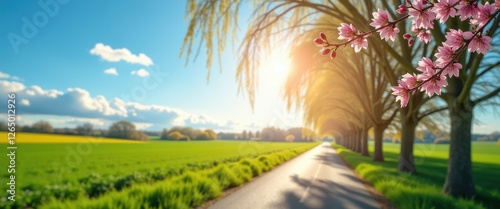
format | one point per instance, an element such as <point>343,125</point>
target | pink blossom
<point>346,31</point>
<point>455,38</point>
<point>380,18</point>
<point>432,83</point>
<point>423,18</point>
<point>480,44</point>
<point>484,14</point>
<point>444,9</point>
<point>410,80</point>
<point>414,27</point>
<point>389,33</point>
<point>425,64</point>
<point>466,9</point>
<point>497,4</point>
<point>452,70</point>
<point>359,43</point>
<point>402,93</point>
<point>424,36</point>
<point>444,55</point>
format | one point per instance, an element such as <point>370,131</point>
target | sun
<point>277,66</point>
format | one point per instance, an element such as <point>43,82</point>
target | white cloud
<point>4,75</point>
<point>11,86</point>
<point>25,102</point>
<point>111,71</point>
<point>115,55</point>
<point>141,73</point>
<point>79,105</point>
<point>8,77</point>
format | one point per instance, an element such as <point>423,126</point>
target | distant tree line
<point>494,136</point>
<point>121,129</point>
<point>297,134</point>
<point>187,134</point>
<point>127,130</point>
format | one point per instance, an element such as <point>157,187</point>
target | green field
<point>76,171</point>
<point>423,189</point>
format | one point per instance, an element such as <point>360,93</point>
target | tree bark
<point>350,141</point>
<point>378,154</point>
<point>459,182</point>
<point>364,143</point>
<point>408,125</point>
<point>358,141</point>
<point>355,141</point>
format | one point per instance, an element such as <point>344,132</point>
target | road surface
<point>315,179</point>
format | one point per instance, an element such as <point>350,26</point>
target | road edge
<point>381,200</point>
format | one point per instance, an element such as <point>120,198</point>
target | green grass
<point>424,189</point>
<point>187,190</point>
<point>48,172</point>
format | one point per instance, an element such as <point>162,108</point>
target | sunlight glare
<point>276,67</point>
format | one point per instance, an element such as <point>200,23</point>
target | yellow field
<point>31,138</point>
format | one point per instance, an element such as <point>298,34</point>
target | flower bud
<point>410,42</point>
<point>402,9</point>
<point>318,41</point>
<point>333,54</point>
<point>406,36</point>
<point>324,51</point>
<point>322,36</point>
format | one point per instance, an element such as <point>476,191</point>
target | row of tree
<point>347,97</point>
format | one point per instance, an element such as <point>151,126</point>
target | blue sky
<point>58,58</point>
<point>59,68</point>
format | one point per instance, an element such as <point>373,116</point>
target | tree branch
<point>430,112</point>
<point>486,97</point>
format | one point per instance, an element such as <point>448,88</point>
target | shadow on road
<point>326,194</point>
<point>330,159</point>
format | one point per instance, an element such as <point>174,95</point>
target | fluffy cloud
<point>4,75</point>
<point>11,86</point>
<point>79,106</point>
<point>25,102</point>
<point>141,73</point>
<point>115,55</point>
<point>111,71</point>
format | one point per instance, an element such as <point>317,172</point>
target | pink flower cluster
<point>432,74</point>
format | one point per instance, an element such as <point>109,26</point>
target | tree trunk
<point>350,141</point>
<point>364,143</point>
<point>408,125</point>
<point>358,141</point>
<point>378,154</point>
<point>459,182</point>
<point>354,142</point>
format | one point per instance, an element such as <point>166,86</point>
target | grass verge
<point>424,189</point>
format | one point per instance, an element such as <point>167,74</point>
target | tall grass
<point>424,189</point>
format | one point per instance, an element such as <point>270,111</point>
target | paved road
<point>315,179</point>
